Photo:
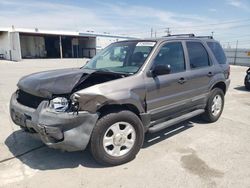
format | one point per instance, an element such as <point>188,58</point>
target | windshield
<point>122,57</point>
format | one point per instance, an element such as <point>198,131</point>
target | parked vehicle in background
<point>129,88</point>
<point>247,80</point>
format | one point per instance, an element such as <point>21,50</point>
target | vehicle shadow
<point>33,153</point>
<point>241,88</point>
<point>39,156</point>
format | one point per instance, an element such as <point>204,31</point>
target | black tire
<point>247,84</point>
<point>208,115</point>
<point>103,124</point>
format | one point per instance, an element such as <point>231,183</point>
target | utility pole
<point>235,56</point>
<point>155,34</point>
<point>168,31</point>
<point>151,32</point>
<point>212,33</point>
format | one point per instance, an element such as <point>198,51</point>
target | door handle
<point>209,74</point>
<point>182,80</point>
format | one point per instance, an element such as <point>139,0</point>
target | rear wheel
<point>117,138</point>
<point>214,106</point>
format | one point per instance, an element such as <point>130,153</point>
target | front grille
<point>29,100</point>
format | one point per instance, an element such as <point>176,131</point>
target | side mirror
<point>160,70</point>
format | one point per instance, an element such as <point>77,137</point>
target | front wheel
<point>117,138</point>
<point>214,106</point>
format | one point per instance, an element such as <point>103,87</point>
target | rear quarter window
<point>218,52</point>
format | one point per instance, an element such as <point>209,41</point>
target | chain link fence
<point>238,56</point>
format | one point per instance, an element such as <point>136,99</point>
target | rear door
<point>201,72</point>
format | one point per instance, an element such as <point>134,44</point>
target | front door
<point>166,94</point>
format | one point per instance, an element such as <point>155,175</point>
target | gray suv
<point>129,88</point>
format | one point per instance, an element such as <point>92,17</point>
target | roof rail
<point>181,35</point>
<point>209,37</point>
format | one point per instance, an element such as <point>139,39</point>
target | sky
<point>229,20</point>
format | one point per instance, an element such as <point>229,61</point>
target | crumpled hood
<point>47,83</point>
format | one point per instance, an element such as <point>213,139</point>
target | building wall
<point>30,44</point>
<point>10,46</point>
<point>4,44</point>
<point>103,41</point>
<point>15,48</point>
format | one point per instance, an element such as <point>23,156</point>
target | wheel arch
<point>117,107</point>
<point>221,85</point>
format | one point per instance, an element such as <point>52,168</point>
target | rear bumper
<point>61,130</point>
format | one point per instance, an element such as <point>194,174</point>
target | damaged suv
<point>129,88</point>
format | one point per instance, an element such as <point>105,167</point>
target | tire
<point>247,84</point>
<point>113,131</point>
<point>212,114</point>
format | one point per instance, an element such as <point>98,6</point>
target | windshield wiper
<point>105,69</point>
<point>108,70</point>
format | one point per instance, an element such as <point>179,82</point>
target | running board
<point>174,121</point>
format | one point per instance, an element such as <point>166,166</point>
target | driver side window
<point>172,55</point>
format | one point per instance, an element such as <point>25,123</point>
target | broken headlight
<point>59,104</point>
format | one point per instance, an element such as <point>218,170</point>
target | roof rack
<point>181,35</point>
<point>209,37</point>
<point>189,35</point>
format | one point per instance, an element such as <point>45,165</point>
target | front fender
<point>93,101</point>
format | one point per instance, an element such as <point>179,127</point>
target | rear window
<point>218,52</point>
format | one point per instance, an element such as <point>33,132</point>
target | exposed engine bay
<point>59,83</point>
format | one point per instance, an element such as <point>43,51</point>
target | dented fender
<point>93,98</point>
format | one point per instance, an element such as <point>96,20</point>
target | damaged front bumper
<point>61,130</point>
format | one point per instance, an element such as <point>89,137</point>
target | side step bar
<point>174,121</point>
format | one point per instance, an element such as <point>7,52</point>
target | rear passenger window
<point>218,52</point>
<point>198,56</point>
<point>171,54</point>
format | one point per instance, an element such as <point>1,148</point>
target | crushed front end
<point>67,130</point>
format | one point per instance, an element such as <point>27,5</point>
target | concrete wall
<point>10,46</point>
<point>4,44</point>
<point>15,47</point>
<point>241,57</point>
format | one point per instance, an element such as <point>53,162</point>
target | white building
<point>17,44</point>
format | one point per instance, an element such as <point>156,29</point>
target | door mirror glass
<point>160,70</point>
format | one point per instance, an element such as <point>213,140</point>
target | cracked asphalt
<point>191,154</point>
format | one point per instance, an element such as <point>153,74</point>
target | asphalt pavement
<point>191,154</point>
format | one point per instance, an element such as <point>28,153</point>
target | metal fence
<point>238,56</point>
